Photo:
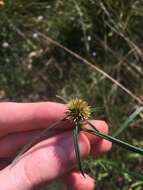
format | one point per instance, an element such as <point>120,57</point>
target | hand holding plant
<point>49,159</point>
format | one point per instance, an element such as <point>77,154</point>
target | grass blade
<point>114,140</point>
<point>93,127</point>
<point>77,150</point>
<point>129,120</point>
<point>29,145</point>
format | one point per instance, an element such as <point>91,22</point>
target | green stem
<point>129,120</point>
<point>35,140</point>
<point>114,140</point>
<point>93,127</point>
<point>77,150</point>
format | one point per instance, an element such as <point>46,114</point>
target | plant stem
<point>113,140</point>
<point>77,150</point>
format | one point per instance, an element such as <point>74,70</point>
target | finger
<point>16,117</point>
<point>11,143</point>
<point>100,125</point>
<point>75,181</point>
<point>101,147</point>
<point>44,162</point>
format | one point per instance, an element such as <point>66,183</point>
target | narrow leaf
<point>114,140</point>
<point>93,127</point>
<point>33,141</point>
<point>77,150</point>
<point>129,120</point>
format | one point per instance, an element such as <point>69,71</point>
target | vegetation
<point>108,34</point>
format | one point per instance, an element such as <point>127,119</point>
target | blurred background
<point>107,33</point>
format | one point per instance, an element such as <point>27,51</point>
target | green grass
<point>34,70</point>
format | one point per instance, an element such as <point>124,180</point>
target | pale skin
<point>50,159</point>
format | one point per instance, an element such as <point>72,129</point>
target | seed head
<point>77,110</point>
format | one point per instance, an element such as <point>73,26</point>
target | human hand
<point>49,159</point>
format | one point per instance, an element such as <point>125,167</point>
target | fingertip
<point>75,181</point>
<point>101,147</point>
<point>28,116</point>
<point>101,126</point>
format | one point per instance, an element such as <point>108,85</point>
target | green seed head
<point>77,110</point>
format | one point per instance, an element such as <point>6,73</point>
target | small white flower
<point>89,38</point>
<point>32,54</point>
<point>40,18</point>
<point>5,44</point>
<point>35,35</point>
<point>94,54</point>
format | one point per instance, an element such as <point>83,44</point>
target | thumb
<point>44,162</point>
